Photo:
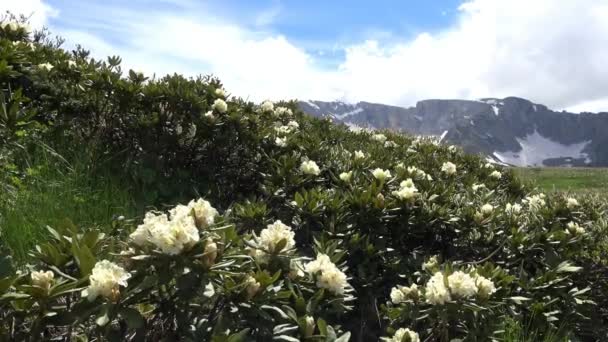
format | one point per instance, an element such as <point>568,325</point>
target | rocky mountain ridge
<point>511,130</point>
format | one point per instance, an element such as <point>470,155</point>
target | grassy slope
<point>576,180</point>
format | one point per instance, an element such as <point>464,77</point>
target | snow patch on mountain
<point>312,104</point>
<point>347,114</point>
<point>536,148</point>
<point>496,110</point>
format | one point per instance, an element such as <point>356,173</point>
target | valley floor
<point>570,179</point>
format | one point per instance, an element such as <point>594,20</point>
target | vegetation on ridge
<point>264,224</point>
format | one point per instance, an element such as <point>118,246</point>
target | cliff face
<point>511,130</point>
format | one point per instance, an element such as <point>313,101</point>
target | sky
<point>552,52</point>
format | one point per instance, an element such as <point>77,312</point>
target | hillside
<point>512,130</point>
<point>136,208</point>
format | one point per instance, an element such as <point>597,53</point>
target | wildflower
<point>571,203</point>
<point>448,168</point>
<point>105,280</point>
<point>176,236</point>
<point>328,275</point>
<point>295,269</point>
<point>281,142</point>
<point>220,92</point>
<point>209,290</point>
<point>267,106</point>
<point>346,176</point>
<point>379,137</point>
<point>488,165</point>
<point>430,264</point>
<point>204,214</point>
<point>381,174</point>
<point>359,154</point>
<point>389,143</point>
<point>210,252</point>
<point>310,326</point>
<point>71,64</point>
<point>42,279</point>
<point>401,333</point>
<point>252,286</point>
<point>512,209</point>
<point>152,221</point>
<point>496,175</point>
<point>407,190</point>
<point>281,111</point>
<point>574,228</point>
<point>462,285</point>
<point>309,167</point>
<point>294,125</point>
<point>436,291</point>
<point>476,187</point>
<point>46,66</point>
<point>487,209</point>
<point>535,201</point>
<point>485,287</point>
<point>273,235</point>
<point>220,105</point>
<point>400,294</point>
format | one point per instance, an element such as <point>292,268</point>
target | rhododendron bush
<point>265,224</point>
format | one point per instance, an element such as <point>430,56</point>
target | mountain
<point>511,130</point>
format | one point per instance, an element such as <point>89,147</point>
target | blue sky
<point>395,52</point>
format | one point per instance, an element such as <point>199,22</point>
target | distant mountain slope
<point>511,130</point>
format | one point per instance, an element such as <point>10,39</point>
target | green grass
<point>56,190</point>
<point>565,179</point>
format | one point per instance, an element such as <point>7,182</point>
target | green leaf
<point>133,318</point>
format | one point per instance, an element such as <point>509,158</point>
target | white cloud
<point>36,10</point>
<point>550,51</point>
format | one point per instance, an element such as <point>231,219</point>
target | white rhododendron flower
<point>379,137</point>
<point>281,142</point>
<point>407,190</point>
<point>71,64</point>
<point>42,279</point>
<point>462,285</point>
<point>46,66</point>
<point>400,294</point>
<point>430,264</point>
<point>309,167</point>
<point>359,155</point>
<point>346,176</point>
<point>436,292</point>
<point>574,228</point>
<point>209,115</point>
<point>178,235</point>
<point>275,233</point>
<point>267,106</point>
<point>220,105</point>
<point>15,26</point>
<point>535,201</point>
<point>381,174</point>
<point>209,290</point>
<point>488,165</point>
<point>487,209</point>
<point>476,187</point>
<point>448,168</point>
<point>296,269</point>
<point>283,111</point>
<point>512,209</point>
<point>204,213</point>
<point>401,333</point>
<point>485,287</point>
<point>152,221</point>
<point>105,280</point>
<point>496,175</point>
<point>328,275</point>
<point>389,143</point>
<point>252,286</point>
<point>293,125</point>
<point>220,92</point>
<point>571,203</point>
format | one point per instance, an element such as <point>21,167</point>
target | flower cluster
<point>448,168</point>
<point>407,190</point>
<point>346,176</point>
<point>381,174</point>
<point>404,334</point>
<point>220,105</point>
<point>400,294</point>
<point>379,137</point>
<point>328,275</point>
<point>105,280</point>
<point>276,235</point>
<point>180,231</point>
<point>535,202</point>
<point>42,279</point>
<point>309,167</point>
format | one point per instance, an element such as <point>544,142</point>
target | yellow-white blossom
<point>485,286</point>
<point>281,142</point>
<point>310,326</point>
<point>407,190</point>
<point>309,167</point>
<point>574,228</point>
<point>283,111</point>
<point>204,213</point>
<point>381,174</point>
<point>46,66</point>
<point>462,284</point>
<point>390,143</point>
<point>359,154</point>
<point>487,209</point>
<point>476,187</point>
<point>571,203</point>
<point>401,333</point>
<point>400,294</point>
<point>273,234</point>
<point>220,105</point>
<point>535,202</point>
<point>448,168</point>
<point>436,292</point>
<point>252,286</point>
<point>209,115</point>
<point>176,236</point>
<point>496,175</point>
<point>152,221</point>
<point>296,269</point>
<point>267,106</point>
<point>220,92</point>
<point>430,264</point>
<point>328,275</point>
<point>71,64</point>
<point>105,280</point>
<point>379,137</point>
<point>512,209</point>
<point>42,279</point>
<point>346,176</point>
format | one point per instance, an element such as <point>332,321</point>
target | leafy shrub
<point>399,237</point>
